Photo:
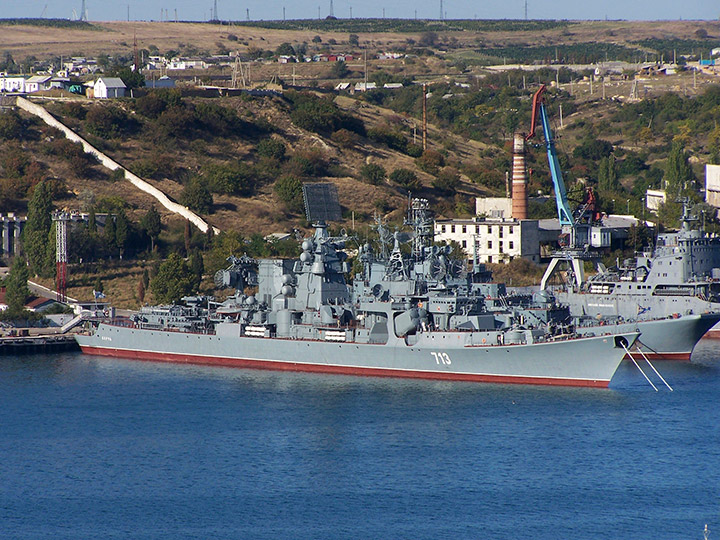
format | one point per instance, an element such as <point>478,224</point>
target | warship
<point>416,315</point>
<point>678,281</point>
<point>671,294</point>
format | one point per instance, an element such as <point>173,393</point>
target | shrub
<point>11,125</point>
<point>373,173</point>
<point>430,161</point>
<point>230,178</point>
<point>345,138</point>
<point>405,178</point>
<point>108,122</point>
<point>271,148</point>
<point>447,180</point>
<point>308,163</point>
<point>289,190</point>
<point>196,196</point>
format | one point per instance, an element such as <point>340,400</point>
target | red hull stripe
<point>660,356</point>
<point>337,370</point>
<point>712,334</point>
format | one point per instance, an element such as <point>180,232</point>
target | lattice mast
<point>61,220</point>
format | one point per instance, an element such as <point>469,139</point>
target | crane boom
<point>563,207</point>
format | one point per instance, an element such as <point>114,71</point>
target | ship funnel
<point>519,181</point>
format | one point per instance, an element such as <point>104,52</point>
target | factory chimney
<point>519,181</point>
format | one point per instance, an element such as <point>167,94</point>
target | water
<point>104,448</point>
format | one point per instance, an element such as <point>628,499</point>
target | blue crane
<point>538,109</point>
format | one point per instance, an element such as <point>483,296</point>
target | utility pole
<point>366,73</point>
<point>424,134</point>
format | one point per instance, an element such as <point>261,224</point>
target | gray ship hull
<point>589,361</point>
<point>662,339</point>
<point>672,337</point>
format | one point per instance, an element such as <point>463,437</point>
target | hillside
<point>239,160</point>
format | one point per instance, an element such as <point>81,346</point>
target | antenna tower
<point>441,10</point>
<point>526,10</point>
<point>215,11</point>
<point>332,13</point>
<point>137,58</point>
<point>83,12</point>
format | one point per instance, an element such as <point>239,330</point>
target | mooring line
<point>638,366</point>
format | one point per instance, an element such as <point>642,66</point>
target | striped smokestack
<point>519,187</point>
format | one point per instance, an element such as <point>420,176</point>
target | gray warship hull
<point>588,361</point>
<point>661,339</point>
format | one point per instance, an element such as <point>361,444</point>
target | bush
<point>447,181</point>
<point>593,149</point>
<point>309,163</point>
<point>405,178</point>
<point>196,196</point>
<point>430,161</point>
<point>393,139</point>
<point>230,178</point>
<point>373,173</point>
<point>108,122</point>
<point>345,138</point>
<point>289,190</point>
<point>321,115</point>
<point>271,148</point>
<point>11,125</point>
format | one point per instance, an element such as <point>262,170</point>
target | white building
<point>37,83</point>
<point>654,198</point>
<point>712,185</point>
<point>12,84</point>
<point>493,207</point>
<point>187,63</point>
<point>493,240</point>
<point>109,87</point>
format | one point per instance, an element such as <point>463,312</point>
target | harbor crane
<point>580,230</point>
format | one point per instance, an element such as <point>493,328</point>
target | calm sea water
<point>103,448</point>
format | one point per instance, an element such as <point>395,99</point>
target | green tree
<point>122,230</point>
<point>285,49</point>
<point>678,173</point>
<point>289,190</point>
<point>16,288</point>
<point>172,281</point>
<point>132,79</point>
<point>197,268</point>
<point>109,231</point>
<point>37,228</point>
<point>339,70</point>
<point>607,174</point>
<point>196,196</point>
<point>354,40</point>
<point>152,225</point>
